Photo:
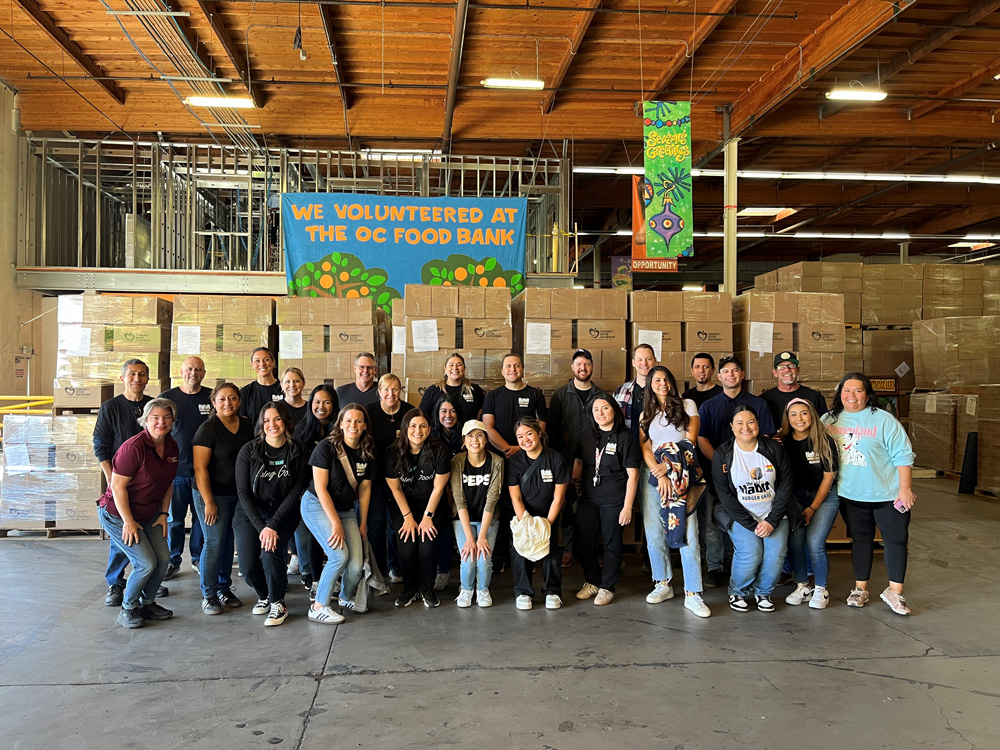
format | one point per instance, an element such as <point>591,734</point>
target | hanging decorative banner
<point>663,196</point>
<point>353,245</point>
<point>621,272</point>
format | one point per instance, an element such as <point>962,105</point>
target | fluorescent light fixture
<point>693,288</point>
<point>624,233</point>
<point>893,236</point>
<point>524,84</point>
<point>974,245</point>
<point>996,77</point>
<point>765,211</point>
<point>751,174</point>
<point>856,95</point>
<point>231,102</point>
<point>579,286</point>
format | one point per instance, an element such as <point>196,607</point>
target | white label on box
<point>74,340</point>
<point>538,338</point>
<point>69,308</point>
<point>930,404</point>
<point>902,369</point>
<point>654,339</point>
<point>189,340</point>
<point>16,456</point>
<point>762,338</point>
<point>972,405</point>
<point>425,335</point>
<point>398,338</point>
<point>290,344</point>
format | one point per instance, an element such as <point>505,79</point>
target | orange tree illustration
<point>462,270</point>
<point>343,275</point>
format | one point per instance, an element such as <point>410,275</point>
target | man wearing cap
<point>786,372</point>
<point>568,418</point>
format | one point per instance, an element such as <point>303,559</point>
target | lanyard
<point>597,464</point>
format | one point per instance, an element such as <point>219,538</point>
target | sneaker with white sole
<point>262,607</point>
<point>738,603</point>
<point>395,576</point>
<point>660,593</point>
<point>441,581</point>
<point>800,595</point>
<point>464,598</point>
<point>325,615</point>
<point>696,604</point>
<point>348,604</point>
<point>896,602</point>
<point>820,598</point>
<point>483,598</point>
<point>523,602</point>
<point>552,601</point>
<point>406,598</point>
<point>857,598</point>
<point>589,591</point>
<point>293,566</point>
<point>764,604</point>
<point>604,596</point>
<point>277,615</point>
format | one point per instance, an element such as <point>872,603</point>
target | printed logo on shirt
<point>280,397</point>
<point>850,455</point>
<point>360,469</point>
<point>270,476</point>
<point>468,397</point>
<point>475,480</point>
<point>812,457</point>
<point>546,475</point>
<point>524,403</point>
<point>752,489</point>
<point>204,409</point>
<point>172,460</point>
<point>611,448</point>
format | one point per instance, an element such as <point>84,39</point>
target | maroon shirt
<point>151,476</point>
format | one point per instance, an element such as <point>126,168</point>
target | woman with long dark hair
<point>417,471</point>
<point>445,426</point>
<point>668,433</point>
<point>874,484</point>
<point>466,395</point>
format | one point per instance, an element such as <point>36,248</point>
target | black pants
<point>592,521</point>
<point>861,519</point>
<point>418,559</point>
<point>264,572</point>
<point>523,569</point>
<point>567,517</point>
<point>505,512</point>
<point>378,522</point>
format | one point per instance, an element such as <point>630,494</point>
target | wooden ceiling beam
<point>454,68</point>
<point>54,32</point>
<point>958,219</point>
<point>211,11</point>
<point>702,31</point>
<point>896,214</point>
<point>957,89</point>
<point>762,154</point>
<point>330,30</point>
<point>919,50</point>
<point>576,39</point>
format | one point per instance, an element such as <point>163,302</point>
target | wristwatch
<point>428,514</point>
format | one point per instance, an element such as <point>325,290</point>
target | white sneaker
<point>441,581</point>
<point>800,595</point>
<point>553,602</point>
<point>293,566</point>
<point>660,593</point>
<point>483,598</point>
<point>277,616</point>
<point>326,616</point>
<point>262,607</point>
<point>464,598</point>
<point>820,598</point>
<point>696,604</point>
<point>523,602</point>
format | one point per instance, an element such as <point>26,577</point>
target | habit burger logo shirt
<point>753,476</point>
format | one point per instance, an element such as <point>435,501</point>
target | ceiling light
<point>996,77</point>
<point>856,95</point>
<point>528,84</point>
<point>973,245</point>
<point>693,288</point>
<point>766,211</point>
<point>232,102</point>
<point>624,233</point>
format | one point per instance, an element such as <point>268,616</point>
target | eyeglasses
<point>786,367</point>
<point>365,367</point>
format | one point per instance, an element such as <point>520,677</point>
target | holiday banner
<point>662,197</point>
<point>621,272</point>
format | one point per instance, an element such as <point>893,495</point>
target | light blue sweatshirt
<point>872,445</point>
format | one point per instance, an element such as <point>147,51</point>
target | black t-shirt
<point>192,410</point>
<point>807,469</point>
<point>619,451</point>
<point>508,406</point>
<point>538,490</point>
<point>324,456</point>
<point>777,400</point>
<point>309,432</point>
<point>418,478</point>
<point>636,409</point>
<point>254,395</point>
<point>476,484</point>
<point>273,483</point>
<point>583,395</point>
<point>225,447</point>
<point>350,394</point>
<point>298,414</point>
<point>385,427</point>
<point>700,397</point>
<point>467,405</point>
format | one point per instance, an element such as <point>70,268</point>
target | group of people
<point>358,487</point>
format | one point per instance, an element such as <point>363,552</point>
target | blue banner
<point>352,245</point>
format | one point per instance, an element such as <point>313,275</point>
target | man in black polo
<point>364,389</point>
<point>786,372</point>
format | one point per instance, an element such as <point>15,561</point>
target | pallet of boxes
<point>436,321</point>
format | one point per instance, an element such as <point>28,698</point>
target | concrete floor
<point>630,674</point>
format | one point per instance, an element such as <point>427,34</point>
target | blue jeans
<point>348,559</point>
<point>813,538</point>
<point>115,570</point>
<point>477,572</point>
<point>180,501</point>
<point>656,540</point>
<point>149,558</point>
<point>756,561</point>
<point>216,561</point>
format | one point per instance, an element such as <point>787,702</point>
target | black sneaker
<point>307,581</point>
<point>116,593</point>
<point>131,618</point>
<point>715,578</point>
<point>154,611</point>
<point>431,599</point>
<point>229,599</point>
<point>406,598</point>
<point>739,603</point>
<point>171,571</point>
<point>162,591</point>
<point>212,606</point>
<point>764,604</point>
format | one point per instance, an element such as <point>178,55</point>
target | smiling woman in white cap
<point>476,482</point>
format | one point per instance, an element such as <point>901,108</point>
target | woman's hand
<point>907,498</point>
<point>660,470</point>
<point>763,529</point>
<point>363,529</point>
<point>427,529</point>
<point>807,514</point>
<point>211,512</point>
<point>130,532</point>
<point>625,517</point>
<point>408,532</point>
<point>336,538</point>
<point>268,540</point>
<point>483,547</point>
<point>663,487</point>
<point>468,550</point>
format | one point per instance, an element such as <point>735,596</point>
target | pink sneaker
<point>896,602</point>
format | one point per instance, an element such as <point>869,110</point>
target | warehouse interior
<point>862,233</point>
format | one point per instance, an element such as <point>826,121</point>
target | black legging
<point>861,519</point>
<point>263,571</point>
<point>418,559</point>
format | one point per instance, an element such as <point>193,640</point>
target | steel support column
<point>729,218</point>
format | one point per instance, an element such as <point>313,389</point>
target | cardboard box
<point>243,338</point>
<point>605,304</point>
<point>664,337</point>
<point>821,366</point>
<point>766,282</point>
<point>313,365</point>
<point>447,332</point>
<point>966,422</point>
<point>151,311</point>
<point>932,429</point>
<point>662,307</point>
<point>425,300</point>
<point>564,304</point>
<point>711,307</point>
<point>193,338</point>
<point>82,340</point>
<point>133,338</point>
<point>781,336</point>
<point>484,302</point>
<point>758,368</point>
<point>315,339</point>
<point>67,395</point>
<point>836,278</point>
<point>766,307</point>
<point>679,364</point>
<point>819,337</point>
<point>117,310</point>
<point>487,333</point>
<point>414,389</point>
<point>599,334</point>
<point>560,333</point>
<point>345,338</point>
<point>420,365</point>
<point>819,309</point>
<point>248,310</point>
<point>708,337</point>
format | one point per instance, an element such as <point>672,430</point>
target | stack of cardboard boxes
<point>966,421</point>
<point>952,291</point>
<point>831,278</point>
<point>991,290</point>
<point>956,351</point>
<point>97,334</point>
<point>889,354</point>
<point>854,350</point>
<point>439,320</point>
<point>988,416</point>
<point>932,429</point>
<point>223,331</point>
<point>892,294</point>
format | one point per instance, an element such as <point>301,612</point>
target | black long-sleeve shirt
<point>270,482</point>
<point>117,421</point>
